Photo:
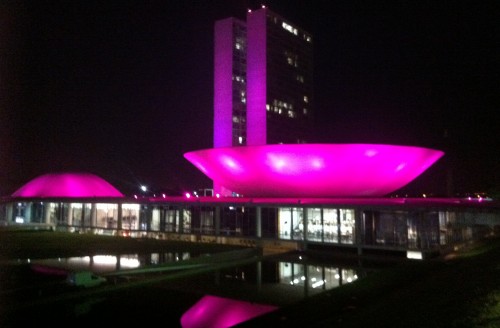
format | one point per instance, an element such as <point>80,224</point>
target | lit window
<point>239,78</point>
<point>237,46</point>
<point>240,140</point>
<point>304,111</point>
<point>289,28</point>
<point>306,99</point>
<point>268,107</point>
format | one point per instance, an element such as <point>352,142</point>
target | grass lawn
<point>47,244</point>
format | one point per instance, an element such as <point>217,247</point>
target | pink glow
<point>67,185</point>
<point>217,312</point>
<point>314,170</point>
<point>256,77</point>
<point>49,270</point>
<point>223,83</point>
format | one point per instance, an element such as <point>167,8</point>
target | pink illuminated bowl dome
<point>67,185</point>
<point>314,170</point>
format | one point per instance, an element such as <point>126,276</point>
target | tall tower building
<point>263,81</point>
<point>230,99</point>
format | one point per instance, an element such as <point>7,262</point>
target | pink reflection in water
<point>217,312</point>
<point>67,185</point>
<point>314,170</point>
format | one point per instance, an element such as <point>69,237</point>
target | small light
<point>188,195</point>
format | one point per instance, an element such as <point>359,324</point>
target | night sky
<point>123,89</point>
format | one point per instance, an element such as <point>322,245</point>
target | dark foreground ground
<point>460,291</point>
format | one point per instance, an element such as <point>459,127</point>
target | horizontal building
<point>415,227</point>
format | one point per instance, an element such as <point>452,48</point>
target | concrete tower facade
<point>263,81</point>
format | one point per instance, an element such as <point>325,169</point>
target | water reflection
<point>271,282</point>
<point>109,263</point>
<point>316,276</point>
<point>276,280</point>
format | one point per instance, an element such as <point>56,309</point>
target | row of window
<point>281,107</point>
<point>326,225</point>
<point>290,28</point>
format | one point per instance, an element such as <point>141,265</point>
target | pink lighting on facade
<point>256,78</point>
<point>314,170</point>
<point>67,185</point>
<point>223,83</point>
<point>217,312</point>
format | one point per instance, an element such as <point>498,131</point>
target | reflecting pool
<point>165,286</point>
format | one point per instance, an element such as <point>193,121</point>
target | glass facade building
<point>413,226</point>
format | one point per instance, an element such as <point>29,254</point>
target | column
<point>217,220</point>
<point>358,230</point>
<point>258,222</point>
<point>305,224</point>
<point>93,216</point>
<point>181,220</point>
<point>120,217</point>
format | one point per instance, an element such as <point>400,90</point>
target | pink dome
<point>67,185</point>
<point>314,170</point>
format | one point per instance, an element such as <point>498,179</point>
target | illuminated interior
<point>67,185</point>
<point>314,170</point>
